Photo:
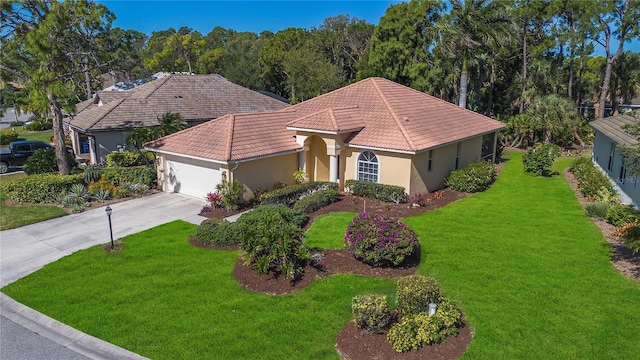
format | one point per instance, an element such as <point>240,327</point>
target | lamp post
<point>108,211</point>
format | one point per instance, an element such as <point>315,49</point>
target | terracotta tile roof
<point>195,97</point>
<point>611,127</point>
<point>383,115</point>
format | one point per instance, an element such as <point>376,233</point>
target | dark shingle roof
<point>611,127</point>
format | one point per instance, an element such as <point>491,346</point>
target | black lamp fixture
<point>109,211</point>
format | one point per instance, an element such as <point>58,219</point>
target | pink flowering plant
<point>380,241</point>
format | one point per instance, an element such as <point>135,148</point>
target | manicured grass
<point>327,231</point>
<point>34,135</point>
<point>529,268</point>
<point>20,215</point>
<point>165,299</point>
<point>531,271</point>
<point>15,216</point>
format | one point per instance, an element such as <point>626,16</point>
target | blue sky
<point>255,16</point>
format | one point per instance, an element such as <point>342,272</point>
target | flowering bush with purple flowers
<point>380,241</point>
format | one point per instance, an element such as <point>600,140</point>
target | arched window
<point>368,167</point>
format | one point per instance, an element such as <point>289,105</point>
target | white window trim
<point>357,169</point>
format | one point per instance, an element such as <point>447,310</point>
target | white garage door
<point>191,177</point>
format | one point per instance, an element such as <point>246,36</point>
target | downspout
<point>231,176</point>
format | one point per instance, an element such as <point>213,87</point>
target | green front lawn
<point>34,135</point>
<point>529,268</point>
<point>16,216</point>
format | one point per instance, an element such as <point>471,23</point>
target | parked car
<point>18,152</point>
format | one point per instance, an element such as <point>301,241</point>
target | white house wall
<point>627,186</point>
<point>190,176</point>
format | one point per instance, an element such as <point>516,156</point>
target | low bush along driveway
<point>528,267</point>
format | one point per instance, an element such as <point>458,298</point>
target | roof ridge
<point>230,136</point>
<point>394,116</point>
<point>334,121</point>
<point>162,81</point>
<point>113,104</point>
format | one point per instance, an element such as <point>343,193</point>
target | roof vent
<point>178,96</point>
<point>405,118</point>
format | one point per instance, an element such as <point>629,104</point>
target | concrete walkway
<point>27,249</point>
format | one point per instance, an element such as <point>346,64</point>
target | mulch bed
<point>352,343</point>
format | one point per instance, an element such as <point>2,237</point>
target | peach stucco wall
<point>393,168</point>
<point>263,173</point>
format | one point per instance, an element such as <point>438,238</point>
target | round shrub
<point>474,178</point>
<point>380,241</point>
<point>44,161</point>
<point>370,312</point>
<point>539,159</point>
<point>415,292</point>
<point>273,243</point>
<point>7,136</point>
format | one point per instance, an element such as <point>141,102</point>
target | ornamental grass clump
<point>380,241</point>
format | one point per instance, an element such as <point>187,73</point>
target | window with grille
<point>368,167</point>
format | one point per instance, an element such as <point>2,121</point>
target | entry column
<point>333,168</point>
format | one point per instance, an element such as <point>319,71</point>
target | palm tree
<point>553,115</point>
<point>471,25</point>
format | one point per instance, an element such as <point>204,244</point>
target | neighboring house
<point>373,130</point>
<point>607,154</point>
<point>101,124</point>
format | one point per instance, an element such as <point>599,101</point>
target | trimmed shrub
<point>7,136</point>
<point>415,292</point>
<point>134,175</point>
<point>370,312</point>
<point>219,232</point>
<point>294,217</point>
<point>44,161</point>
<point>591,181</point>
<point>380,241</point>
<point>421,329</point>
<point>130,158</point>
<point>315,201</point>
<point>377,191</point>
<point>618,215</point>
<point>476,177</point>
<point>101,185</point>
<point>275,244</point>
<point>290,194</point>
<point>40,188</point>
<point>597,209</point>
<point>539,159</point>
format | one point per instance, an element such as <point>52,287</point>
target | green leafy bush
<point>420,329</point>
<point>275,244</point>
<point>597,209</point>
<point>591,181</point>
<point>134,175</point>
<point>288,195</point>
<point>44,161</point>
<point>130,158</point>
<point>618,215</point>
<point>370,312</point>
<point>219,232</point>
<point>7,136</point>
<point>415,292</point>
<point>380,241</point>
<point>377,191</point>
<point>231,193</point>
<point>39,125</point>
<point>630,234</point>
<point>538,160</point>
<point>315,201</point>
<point>40,188</point>
<point>294,217</point>
<point>474,178</point>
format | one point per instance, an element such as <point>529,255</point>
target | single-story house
<point>101,124</point>
<point>373,130</point>
<point>610,137</point>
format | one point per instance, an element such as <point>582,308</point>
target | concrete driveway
<point>27,249</point>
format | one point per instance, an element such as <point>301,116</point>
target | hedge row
<point>129,158</point>
<point>377,191</point>
<point>476,177</point>
<point>290,194</point>
<point>40,188</point>
<point>315,201</point>
<point>137,175</point>
<point>590,179</point>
